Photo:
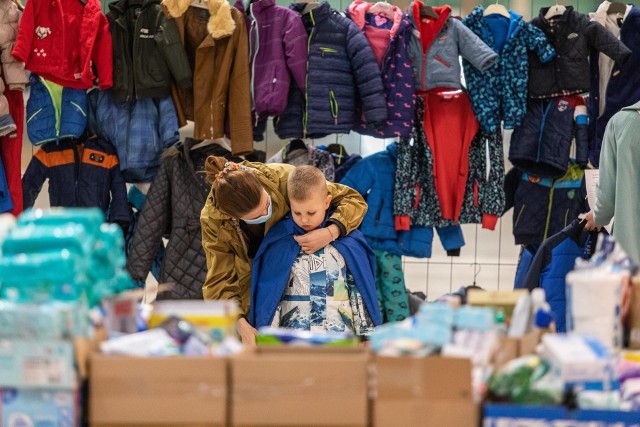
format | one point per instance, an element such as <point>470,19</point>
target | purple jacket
<point>278,49</point>
<point>397,74</point>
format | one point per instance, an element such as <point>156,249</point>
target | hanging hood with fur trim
<point>60,40</point>
<point>217,46</point>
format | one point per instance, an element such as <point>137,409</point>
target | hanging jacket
<point>574,37</point>
<point>224,241</point>
<point>278,52</point>
<point>147,53</point>
<point>343,78</point>
<point>613,85</point>
<point>388,31</point>
<point>218,54</point>
<point>436,45</point>
<point>527,253</point>
<point>306,155</point>
<point>6,203</point>
<point>484,197</point>
<point>373,177</point>
<point>278,251</point>
<point>81,174</point>
<point>62,40</point>
<point>140,130</point>
<point>542,144</point>
<point>13,72</point>
<point>172,210</point>
<point>542,207</point>
<point>500,93</point>
<point>54,112</point>
<point>556,257</point>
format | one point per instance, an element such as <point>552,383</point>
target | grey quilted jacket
<point>172,210</point>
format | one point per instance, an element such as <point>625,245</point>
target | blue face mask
<point>262,219</point>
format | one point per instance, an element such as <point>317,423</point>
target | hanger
<point>496,9</point>
<point>428,12</point>
<point>202,4</point>
<point>556,10</point>
<point>476,272</point>
<point>296,144</point>
<point>617,7</point>
<point>207,142</point>
<point>310,6</point>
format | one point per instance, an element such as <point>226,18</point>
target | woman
<point>245,201</point>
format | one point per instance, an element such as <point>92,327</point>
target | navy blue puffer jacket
<point>342,72</point>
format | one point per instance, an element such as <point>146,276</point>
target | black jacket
<point>147,51</point>
<point>573,37</point>
<point>80,175</point>
<point>542,143</point>
<point>172,210</point>
<point>543,207</point>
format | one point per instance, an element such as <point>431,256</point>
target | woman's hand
<point>317,239</point>
<point>247,333</point>
<point>591,223</point>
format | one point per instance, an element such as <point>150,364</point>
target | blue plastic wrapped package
<point>90,219</point>
<point>44,238</point>
<point>51,321</point>
<point>42,277</point>
<point>436,313</point>
<point>474,318</point>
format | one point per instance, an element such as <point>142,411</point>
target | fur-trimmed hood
<point>221,23</point>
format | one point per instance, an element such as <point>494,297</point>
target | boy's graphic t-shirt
<point>321,295</point>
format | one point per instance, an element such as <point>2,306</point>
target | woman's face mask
<point>264,218</point>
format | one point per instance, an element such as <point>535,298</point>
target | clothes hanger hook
<point>476,271</point>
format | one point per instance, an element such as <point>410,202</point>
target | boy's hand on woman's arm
<point>317,239</point>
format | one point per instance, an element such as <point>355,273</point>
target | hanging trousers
<point>392,295</point>
<point>11,149</point>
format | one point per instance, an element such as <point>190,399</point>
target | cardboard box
<point>512,348</point>
<point>37,364</point>
<point>634,315</point>
<point>300,387</point>
<point>36,408</point>
<point>426,392</point>
<point>182,391</point>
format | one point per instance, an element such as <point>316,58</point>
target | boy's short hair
<point>304,180</point>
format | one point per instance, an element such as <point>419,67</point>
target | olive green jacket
<point>228,264</point>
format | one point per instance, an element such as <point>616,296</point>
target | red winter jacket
<point>60,39</point>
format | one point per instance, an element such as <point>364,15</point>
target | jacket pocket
<point>519,215</point>
<point>442,61</point>
<point>79,108</point>
<point>333,104</point>
<point>327,51</point>
<point>34,115</point>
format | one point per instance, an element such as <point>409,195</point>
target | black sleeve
<point>32,180</point>
<point>154,219</point>
<point>511,183</point>
<point>540,261</point>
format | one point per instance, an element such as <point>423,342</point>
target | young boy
<point>331,290</point>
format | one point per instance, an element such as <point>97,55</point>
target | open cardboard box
<point>425,392</point>
<point>290,386</point>
<point>177,392</point>
<point>512,348</point>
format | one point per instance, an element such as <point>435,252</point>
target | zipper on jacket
<point>77,155</point>
<point>254,34</point>
<point>133,91</point>
<point>327,50</point>
<point>333,103</point>
<point>566,217</point>
<point>56,111</point>
<point>305,117</point>
<point>544,119</point>
<point>549,208</point>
